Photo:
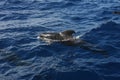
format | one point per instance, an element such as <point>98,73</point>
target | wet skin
<point>68,40</point>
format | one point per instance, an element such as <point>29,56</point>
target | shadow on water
<point>11,58</point>
<point>75,75</point>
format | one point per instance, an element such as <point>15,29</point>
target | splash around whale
<point>66,37</point>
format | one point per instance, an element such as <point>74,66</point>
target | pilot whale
<point>56,37</point>
<point>66,37</point>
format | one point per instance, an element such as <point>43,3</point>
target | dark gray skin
<point>53,37</point>
<point>116,12</point>
<point>66,38</point>
<point>83,44</point>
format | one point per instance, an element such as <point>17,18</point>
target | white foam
<point>38,37</point>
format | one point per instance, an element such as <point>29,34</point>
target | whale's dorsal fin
<point>67,33</point>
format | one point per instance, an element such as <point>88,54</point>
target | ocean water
<point>24,57</point>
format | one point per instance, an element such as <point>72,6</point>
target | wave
<point>106,35</point>
<point>46,4</point>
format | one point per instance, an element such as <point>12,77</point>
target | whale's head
<point>67,33</point>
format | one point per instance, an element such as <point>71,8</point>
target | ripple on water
<point>22,56</point>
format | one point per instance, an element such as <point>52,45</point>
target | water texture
<point>24,57</point>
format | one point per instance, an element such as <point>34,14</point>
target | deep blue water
<point>24,57</point>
